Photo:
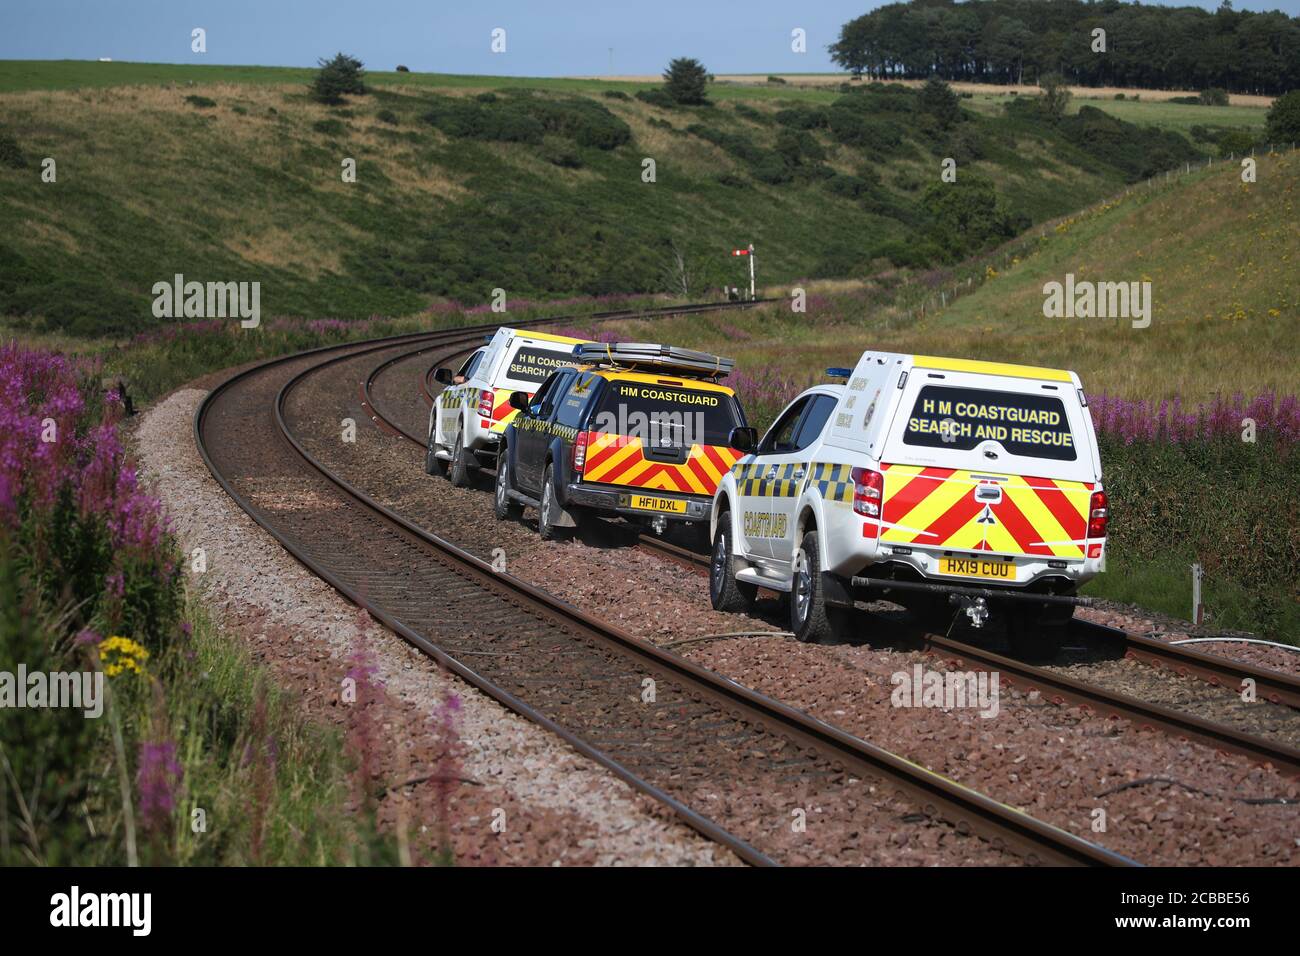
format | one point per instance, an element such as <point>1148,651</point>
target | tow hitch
<point>976,608</point>
<point>659,524</point>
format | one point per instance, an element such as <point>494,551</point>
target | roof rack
<point>643,355</point>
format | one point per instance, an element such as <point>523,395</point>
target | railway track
<point>1277,687</point>
<point>577,676</point>
<point>1274,686</point>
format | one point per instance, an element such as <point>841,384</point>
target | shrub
<point>615,95</point>
<point>848,186</point>
<point>403,69</point>
<point>772,168</point>
<point>966,216</point>
<point>1283,123</point>
<point>938,100</point>
<point>1185,100</point>
<point>11,154</point>
<point>1119,96</point>
<point>329,127</point>
<point>1056,96</point>
<point>656,97</point>
<point>1177,475</point>
<point>343,75</point>
<point>1235,142</point>
<point>802,117</point>
<point>686,81</point>
<point>796,146</point>
<point>853,128</point>
<point>201,102</point>
<point>776,80</point>
<point>387,116</point>
<point>968,145</point>
<point>1213,97</point>
<point>560,154</point>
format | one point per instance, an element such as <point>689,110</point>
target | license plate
<point>978,568</point>
<point>656,503</point>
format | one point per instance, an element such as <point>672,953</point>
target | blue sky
<point>543,37</point>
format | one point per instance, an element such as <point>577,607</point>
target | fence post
<point>1198,611</point>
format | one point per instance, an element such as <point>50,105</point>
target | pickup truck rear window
<point>530,364</point>
<point>1026,425</point>
<point>667,415</point>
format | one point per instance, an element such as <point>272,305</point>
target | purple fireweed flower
<point>159,781</point>
<point>87,637</point>
<point>1140,421</point>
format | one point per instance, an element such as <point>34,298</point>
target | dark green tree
<point>343,75</point>
<point>686,81</point>
<point>1056,95</point>
<point>938,100</point>
<point>1283,123</point>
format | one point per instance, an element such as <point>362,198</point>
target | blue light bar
<point>839,372</point>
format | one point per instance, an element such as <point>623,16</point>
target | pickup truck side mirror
<point>519,401</point>
<point>443,376</point>
<point>743,439</point>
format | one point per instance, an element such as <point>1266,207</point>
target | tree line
<point>1018,41</point>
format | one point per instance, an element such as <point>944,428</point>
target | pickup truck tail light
<point>579,459</point>
<point>868,489</point>
<point>485,398</point>
<point>1098,515</point>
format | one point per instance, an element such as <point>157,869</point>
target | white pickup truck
<point>470,414</point>
<point>948,486</point>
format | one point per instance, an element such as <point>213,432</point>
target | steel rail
<point>1062,688</point>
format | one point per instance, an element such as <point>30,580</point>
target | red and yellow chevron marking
<point>937,507</point>
<point>502,410</point>
<point>617,460</point>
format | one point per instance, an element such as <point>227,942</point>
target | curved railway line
<point>1274,686</point>
<point>579,677</point>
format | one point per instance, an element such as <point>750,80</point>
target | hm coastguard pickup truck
<point>945,485</point>
<point>472,411</point>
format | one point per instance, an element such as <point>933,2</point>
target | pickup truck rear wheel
<point>811,619</point>
<point>725,592</point>
<point>548,513</point>
<point>462,471</point>
<point>503,506</point>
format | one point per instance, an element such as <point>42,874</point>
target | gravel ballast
<point>557,806</point>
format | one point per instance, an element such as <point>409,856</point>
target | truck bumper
<point>618,501</point>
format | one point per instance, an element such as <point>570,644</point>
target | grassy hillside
<point>469,184</point>
<point>1222,258</point>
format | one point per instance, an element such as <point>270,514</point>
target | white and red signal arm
<point>740,252</point>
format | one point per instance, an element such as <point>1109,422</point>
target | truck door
<point>799,463</point>
<point>766,480</point>
<point>533,432</point>
<point>452,400</point>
